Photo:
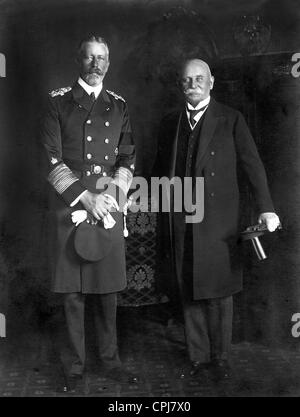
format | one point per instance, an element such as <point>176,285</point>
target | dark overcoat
<point>82,135</point>
<point>224,142</point>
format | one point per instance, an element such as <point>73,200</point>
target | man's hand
<point>271,220</point>
<point>96,204</point>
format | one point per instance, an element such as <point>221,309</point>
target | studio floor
<point>154,349</point>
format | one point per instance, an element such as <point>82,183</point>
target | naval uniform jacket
<point>84,142</point>
<point>224,141</point>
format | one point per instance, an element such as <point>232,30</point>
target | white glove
<point>79,216</point>
<point>271,220</point>
<point>108,221</point>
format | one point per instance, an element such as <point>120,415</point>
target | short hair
<point>92,38</point>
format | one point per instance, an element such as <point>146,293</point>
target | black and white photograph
<point>149,201</point>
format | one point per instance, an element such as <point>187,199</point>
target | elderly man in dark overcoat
<point>90,151</point>
<point>205,139</point>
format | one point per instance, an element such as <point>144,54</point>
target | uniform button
<point>104,174</point>
<point>88,173</point>
<point>107,108</point>
<point>97,169</point>
<point>212,152</point>
<point>212,194</point>
<point>106,157</point>
<point>89,156</point>
<point>116,151</point>
<point>106,124</point>
<point>89,138</point>
<point>89,122</point>
<point>212,174</point>
<point>106,140</point>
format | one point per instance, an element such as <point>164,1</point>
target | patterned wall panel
<point>141,261</point>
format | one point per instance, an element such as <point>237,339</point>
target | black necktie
<point>93,97</point>
<point>193,114</point>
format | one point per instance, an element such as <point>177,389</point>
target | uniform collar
<point>81,96</point>
<point>89,89</point>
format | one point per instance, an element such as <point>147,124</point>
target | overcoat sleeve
<point>60,176</point>
<point>252,165</point>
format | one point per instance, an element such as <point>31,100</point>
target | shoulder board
<point>116,96</point>
<point>60,91</point>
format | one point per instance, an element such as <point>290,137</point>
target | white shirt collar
<point>89,89</point>
<point>203,103</point>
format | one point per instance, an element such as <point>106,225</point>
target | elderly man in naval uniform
<point>90,151</point>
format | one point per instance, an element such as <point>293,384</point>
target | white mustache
<point>192,90</point>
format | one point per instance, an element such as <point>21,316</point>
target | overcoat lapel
<point>210,122</point>
<point>174,148</point>
<point>102,103</point>
<point>169,191</point>
<point>81,97</point>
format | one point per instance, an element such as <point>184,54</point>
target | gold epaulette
<point>60,91</point>
<point>116,96</point>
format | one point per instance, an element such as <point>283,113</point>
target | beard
<point>97,71</point>
<point>94,77</point>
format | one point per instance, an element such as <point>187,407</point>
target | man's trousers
<point>207,322</point>
<point>104,308</point>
